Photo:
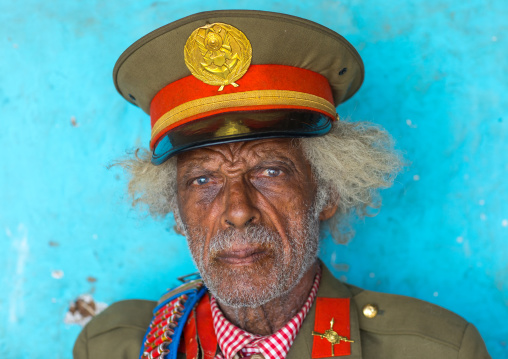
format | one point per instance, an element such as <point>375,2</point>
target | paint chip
<point>435,294</point>
<point>481,202</point>
<point>483,216</point>
<point>57,274</point>
<point>15,46</point>
<point>410,123</point>
<point>74,122</point>
<point>53,244</point>
<point>460,239</point>
<point>343,278</point>
<point>91,279</point>
<point>372,274</point>
<point>416,177</point>
<point>343,267</point>
<point>83,309</point>
<point>494,38</point>
<point>504,222</point>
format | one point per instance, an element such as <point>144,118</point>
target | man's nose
<point>239,208</point>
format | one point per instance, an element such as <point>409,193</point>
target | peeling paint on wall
<point>20,251</point>
<point>83,309</point>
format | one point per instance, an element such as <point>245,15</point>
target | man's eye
<point>201,180</point>
<point>272,172</point>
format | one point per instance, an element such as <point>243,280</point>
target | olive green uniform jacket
<point>403,328</point>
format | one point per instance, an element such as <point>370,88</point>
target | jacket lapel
<point>329,287</point>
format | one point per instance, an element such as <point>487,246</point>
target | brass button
<point>370,310</point>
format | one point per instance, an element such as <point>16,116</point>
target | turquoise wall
<point>436,78</point>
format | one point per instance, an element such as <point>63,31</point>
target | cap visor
<point>240,126</point>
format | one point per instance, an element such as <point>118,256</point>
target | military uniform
<point>382,326</point>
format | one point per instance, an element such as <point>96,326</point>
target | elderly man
<point>250,156</point>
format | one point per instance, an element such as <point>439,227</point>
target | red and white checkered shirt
<point>233,340</point>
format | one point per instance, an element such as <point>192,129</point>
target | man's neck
<point>272,316</point>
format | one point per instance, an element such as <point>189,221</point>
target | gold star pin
<point>332,336</point>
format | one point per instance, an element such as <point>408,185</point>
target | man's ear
<point>178,227</point>
<point>328,211</point>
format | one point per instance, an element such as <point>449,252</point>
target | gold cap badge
<point>218,54</point>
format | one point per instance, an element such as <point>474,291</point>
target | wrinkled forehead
<point>249,152</point>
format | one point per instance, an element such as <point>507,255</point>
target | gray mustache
<point>254,234</point>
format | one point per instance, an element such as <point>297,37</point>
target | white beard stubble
<point>236,288</point>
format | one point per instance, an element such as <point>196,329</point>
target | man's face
<point>249,216</point>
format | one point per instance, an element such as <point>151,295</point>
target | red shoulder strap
<point>189,344</point>
<point>199,325</point>
<point>206,331</point>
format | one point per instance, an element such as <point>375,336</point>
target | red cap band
<point>263,87</point>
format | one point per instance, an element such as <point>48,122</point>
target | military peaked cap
<point>235,75</point>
